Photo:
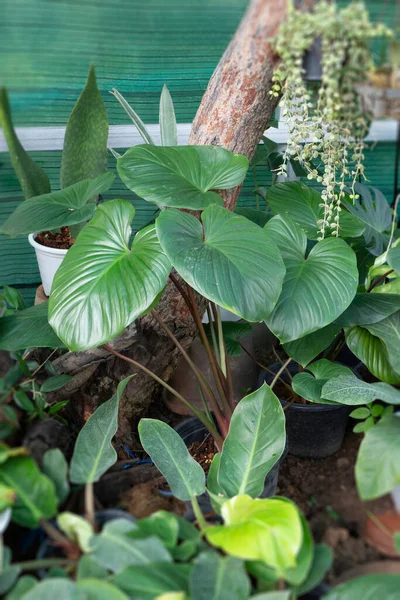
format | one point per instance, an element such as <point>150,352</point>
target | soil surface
<point>325,491</point>
<point>61,240</point>
<point>203,452</point>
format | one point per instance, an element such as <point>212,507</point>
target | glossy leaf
<point>302,204</point>
<point>55,383</point>
<point>235,265</point>
<point>348,389</point>
<point>163,524</point>
<point>259,217</point>
<point>95,589</point>
<point>28,328</point>
<point>374,211</point>
<point>310,385</point>
<point>76,528</point>
<point>367,309</point>
<point>322,562</point>
<point>31,176</point>
<point>305,349</point>
<point>136,120</point>
<point>388,331</point>
<point>360,413</point>
<point>93,453</point>
<point>181,176</point>
<point>168,129</point>
<point>215,577</point>
<point>268,530</point>
<point>368,587</point>
<point>316,288</point>
<point>232,332</point>
<point>55,587</point>
<point>57,209</point>
<point>103,285</point>
<point>85,144</point>
<point>393,259</point>
<point>13,298</point>
<point>170,455</point>
<point>55,466</point>
<point>255,442</point>
<point>297,574</point>
<point>35,493</point>
<point>372,352</point>
<point>148,581</point>
<point>114,549</point>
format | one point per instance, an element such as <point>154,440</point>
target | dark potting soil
<point>325,491</point>
<point>61,240</point>
<point>203,452</point>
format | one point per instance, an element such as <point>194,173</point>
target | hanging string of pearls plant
<point>326,129</point>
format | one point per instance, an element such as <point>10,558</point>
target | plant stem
<point>221,342</point>
<point>381,278</point>
<point>198,413</point>
<point>212,329</point>
<point>198,514</point>
<point>34,565</point>
<point>89,504</point>
<point>264,367</point>
<point>256,186</point>
<point>281,361</point>
<point>181,290</point>
<point>283,367</point>
<point>54,533</point>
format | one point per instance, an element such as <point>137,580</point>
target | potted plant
<point>53,219</point>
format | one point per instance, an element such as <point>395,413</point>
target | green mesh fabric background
<point>46,47</point>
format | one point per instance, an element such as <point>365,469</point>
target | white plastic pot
<point>49,259</point>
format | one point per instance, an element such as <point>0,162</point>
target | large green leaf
<point>31,177</point>
<point>303,204</point>
<point>229,260</point>
<point>170,455</point>
<point>28,328</point>
<point>232,332</point>
<point>368,587</point>
<point>297,574</point>
<point>255,442</point>
<point>215,577</point>
<point>367,309</point>
<point>55,466</point>
<point>93,452</point>
<point>372,352</point>
<point>149,581</point>
<point>388,331</point>
<point>96,589</point>
<point>85,144</point>
<point>36,496</point>
<point>393,258</point>
<point>181,176</point>
<point>102,285</point>
<point>163,524</point>
<point>310,385</point>
<point>114,549</point>
<point>322,562</point>
<point>259,217</point>
<point>316,288</point>
<point>55,587</point>
<point>305,349</point>
<point>268,530</point>
<point>348,389</point>
<point>168,129</point>
<point>23,585</point>
<point>374,211</point>
<point>57,209</point>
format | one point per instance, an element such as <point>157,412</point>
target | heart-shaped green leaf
<point>169,453</point>
<point>372,352</point>
<point>229,260</point>
<point>181,176</point>
<point>255,442</point>
<point>102,285</point>
<point>388,331</point>
<point>317,288</point>
<point>310,385</point>
<point>57,209</point>
<point>28,328</point>
<point>305,349</point>
<point>348,389</point>
<point>367,309</point>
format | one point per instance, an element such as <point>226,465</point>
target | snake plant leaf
<point>256,529</point>
<point>310,385</point>
<point>348,389</point>
<point>136,120</point>
<point>35,493</point>
<point>218,577</point>
<point>317,288</point>
<point>181,176</point>
<point>373,353</point>
<point>150,581</point>
<point>28,328</point>
<point>229,260</point>
<point>302,204</point>
<point>170,455</point>
<point>168,129</point>
<point>378,461</point>
<point>305,349</point>
<point>58,209</point>
<point>255,442</point>
<point>32,178</point>
<point>93,452</point>
<point>374,211</point>
<point>367,309</point>
<point>388,331</point>
<point>393,259</point>
<point>85,144</point>
<point>368,587</point>
<point>103,284</point>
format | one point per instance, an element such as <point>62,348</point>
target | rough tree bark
<point>234,113</point>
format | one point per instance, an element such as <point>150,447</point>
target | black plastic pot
<point>313,430</point>
<point>192,430</point>
<point>317,593</point>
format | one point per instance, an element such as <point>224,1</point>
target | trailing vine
<point>326,129</point>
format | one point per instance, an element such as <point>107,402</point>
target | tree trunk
<point>234,113</point>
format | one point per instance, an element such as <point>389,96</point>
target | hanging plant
<point>327,129</point>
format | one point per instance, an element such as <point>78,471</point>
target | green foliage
<point>232,332</point>
<point>181,176</point>
<point>322,562</point>
<point>148,581</point>
<point>12,298</point>
<point>55,466</point>
<point>305,349</point>
<point>368,587</point>
<point>372,352</point>
<point>77,529</point>
<point>367,309</point>
<point>219,578</point>
<point>311,385</point>
<point>388,331</point>
<point>28,328</point>
<point>136,120</point>
<point>120,282</point>
<point>168,129</point>
<point>348,389</point>
<point>248,278</point>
